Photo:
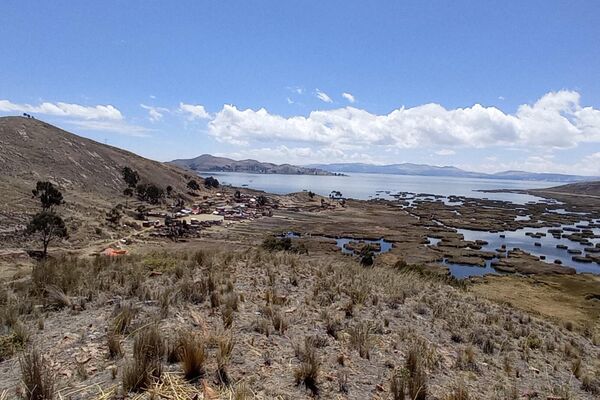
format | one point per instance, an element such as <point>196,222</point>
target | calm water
<point>368,186</point>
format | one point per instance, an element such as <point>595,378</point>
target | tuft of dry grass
<point>398,384</point>
<point>192,355</point>
<point>37,376</point>
<point>360,338</point>
<point>224,350</point>
<point>280,322</point>
<point>123,315</point>
<point>148,350</point>
<point>307,373</point>
<point>458,392</point>
<point>417,384</point>
<point>113,340</point>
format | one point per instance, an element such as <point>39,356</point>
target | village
<point>179,221</point>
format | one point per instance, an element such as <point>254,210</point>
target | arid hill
<point>87,172</point>
<point>581,188</point>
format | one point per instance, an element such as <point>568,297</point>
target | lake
<point>368,186</point>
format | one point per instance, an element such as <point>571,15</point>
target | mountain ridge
<point>210,163</point>
<point>449,171</point>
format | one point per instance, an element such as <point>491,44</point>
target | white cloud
<point>348,97</point>
<point>445,152</point>
<point>106,112</point>
<point>120,127</point>
<point>556,120</point>
<point>289,101</point>
<point>323,96</point>
<point>155,113</point>
<point>194,111</point>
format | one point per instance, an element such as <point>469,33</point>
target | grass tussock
<point>36,375</point>
<point>307,374</point>
<point>146,365</point>
<point>192,355</point>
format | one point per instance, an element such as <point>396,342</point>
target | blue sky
<point>486,87</point>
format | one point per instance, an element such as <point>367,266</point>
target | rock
<point>574,251</point>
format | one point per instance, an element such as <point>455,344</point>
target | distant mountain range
<point>429,170</point>
<point>207,162</point>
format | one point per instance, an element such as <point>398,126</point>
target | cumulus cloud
<point>323,96</point>
<point>556,120</point>
<point>154,113</point>
<point>348,97</point>
<point>445,152</point>
<point>194,111</point>
<point>106,112</point>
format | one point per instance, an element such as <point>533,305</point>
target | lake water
<point>369,186</point>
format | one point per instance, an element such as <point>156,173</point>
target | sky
<point>485,86</point>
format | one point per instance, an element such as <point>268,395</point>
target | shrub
<point>211,182</point>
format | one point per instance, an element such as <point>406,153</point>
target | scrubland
<point>251,324</point>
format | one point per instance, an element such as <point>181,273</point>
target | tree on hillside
<point>47,223</point>
<point>211,182</point>
<point>169,190</point>
<point>193,185</point>
<point>49,226</point>
<point>311,194</point>
<point>149,192</point>
<point>48,194</point>
<point>131,178</point>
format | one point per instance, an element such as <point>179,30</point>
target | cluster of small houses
<point>183,223</point>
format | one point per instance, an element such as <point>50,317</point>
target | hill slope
<point>580,188</point>
<point>87,172</point>
<point>207,162</point>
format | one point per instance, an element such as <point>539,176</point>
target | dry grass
<point>351,323</point>
<point>360,338</point>
<point>113,340</point>
<point>36,375</point>
<point>307,373</point>
<point>192,355</point>
<point>148,351</point>
<point>417,384</point>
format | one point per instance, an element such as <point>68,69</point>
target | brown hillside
<point>87,172</point>
<point>580,188</point>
